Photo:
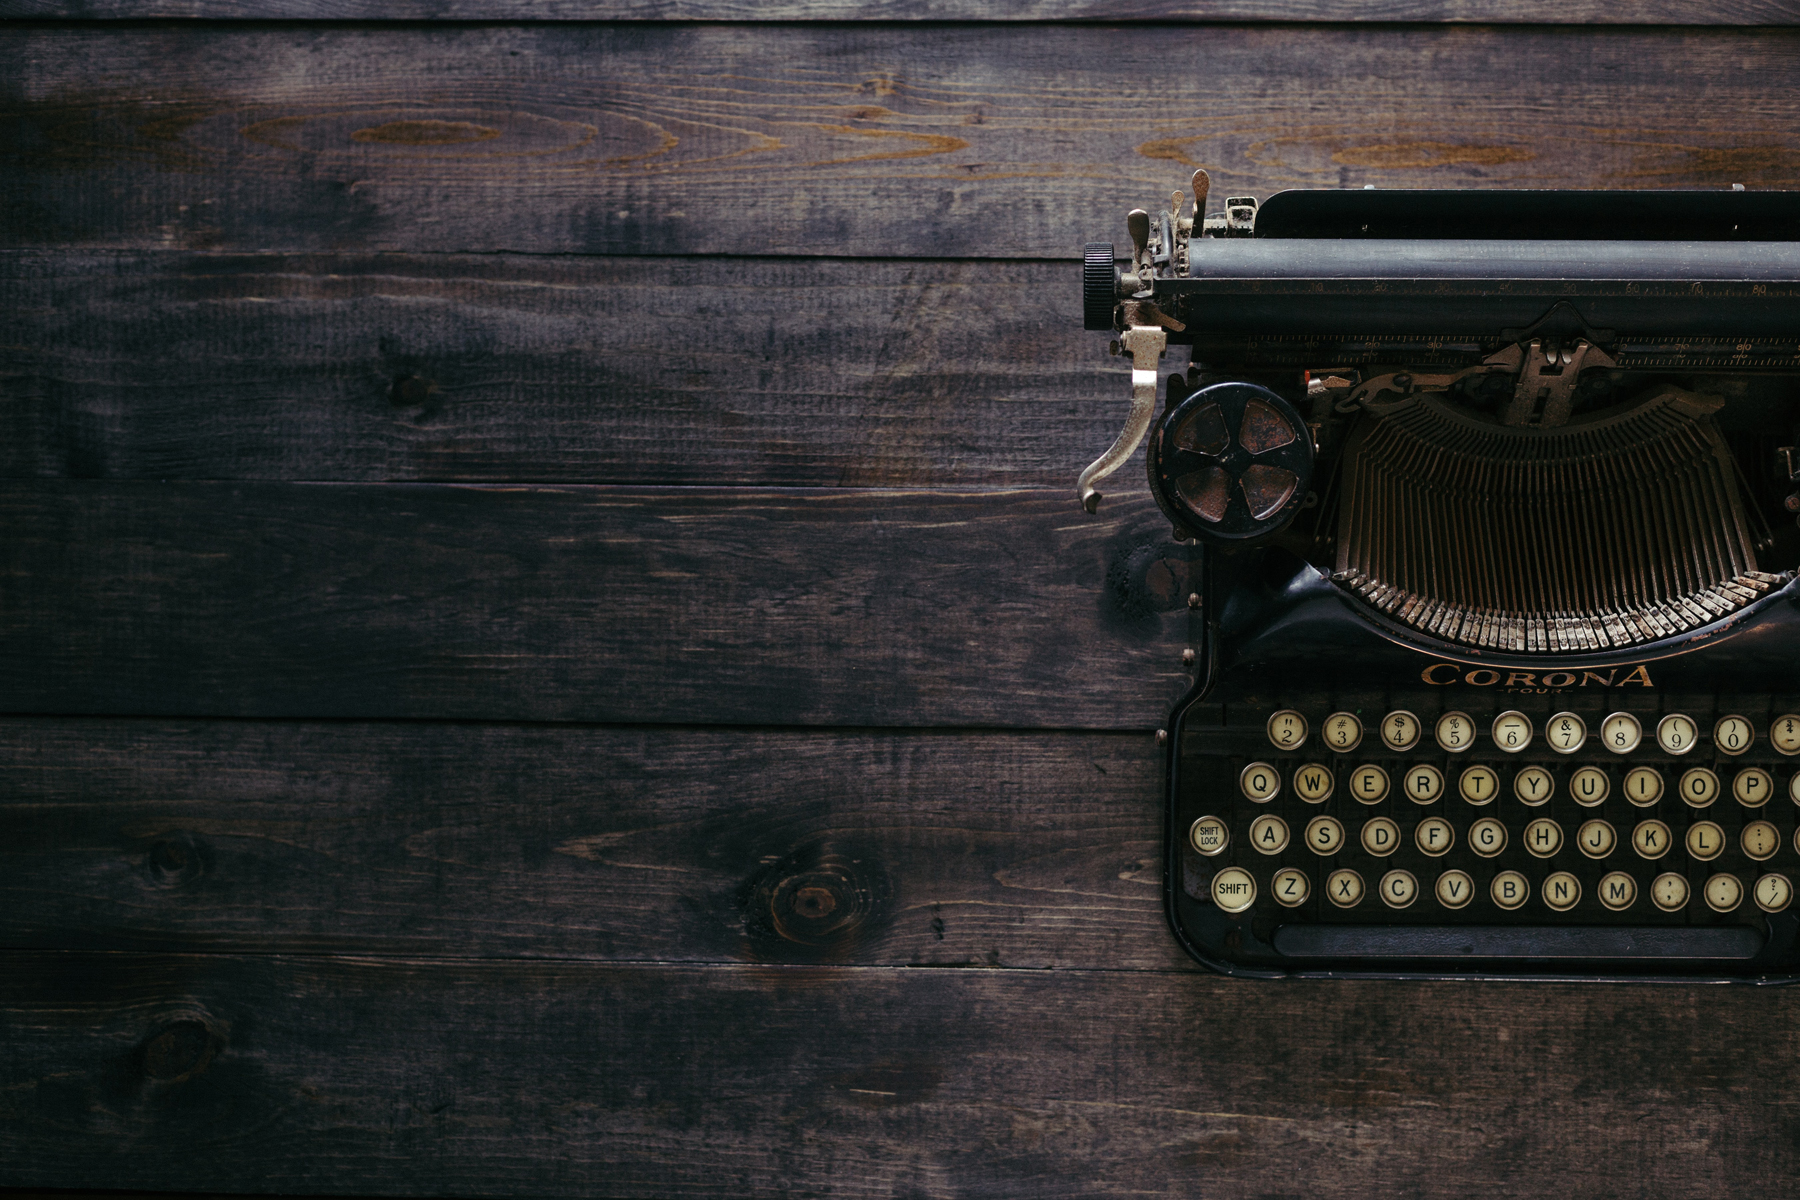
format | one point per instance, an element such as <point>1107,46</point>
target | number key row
<point>1566,732</point>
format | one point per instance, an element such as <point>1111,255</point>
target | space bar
<point>1517,941</point>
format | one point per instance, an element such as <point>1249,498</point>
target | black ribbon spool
<point>1232,462</point>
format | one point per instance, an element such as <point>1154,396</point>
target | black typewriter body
<point>1498,639</point>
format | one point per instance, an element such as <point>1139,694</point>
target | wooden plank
<point>518,368</point>
<point>878,140</point>
<point>559,1079</point>
<point>694,606</point>
<point>680,845</point>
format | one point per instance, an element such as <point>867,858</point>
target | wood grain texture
<point>485,367</point>
<point>678,845</point>
<point>876,140</point>
<point>820,606</point>
<point>275,1073</point>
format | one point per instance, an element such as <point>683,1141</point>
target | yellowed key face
<point>1369,783</point>
<point>1543,837</point>
<point>1652,839</point>
<point>1562,891</point>
<point>1617,890</point>
<point>1509,889</point>
<point>1269,834</point>
<point>1434,836</point>
<point>1724,893</point>
<point>1209,836</point>
<point>1643,786</point>
<point>1752,787</point>
<point>1704,840</point>
<point>1344,888</point>
<point>1478,785</point>
<point>1732,735</point>
<point>1400,730</point>
<point>1342,732</point>
<point>1698,787</point>
<point>1588,786</point>
<point>1380,837</point>
<point>1425,783</point>
<point>1233,889</point>
<point>1512,731</point>
<point>1759,840</point>
<point>1595,839</point>
<point>1259,782</point>
<point>1290,887</point>
<point>1533,786</point>
<point>1324,835</point>
<point>1399,889</point>
<point>1773,893</point>
<point>1669,892</point>
<point>1785,733</point>
<point>1487,837</point>
<point>1565,733</point>
<point>1621,733</point>
<point>1677,733</point>
<point>1455,889</point>
<point>1287,730</point>
<point>1455,732</point>
<point>1313,783</point>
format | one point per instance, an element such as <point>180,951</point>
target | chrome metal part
<point>1145,344</point>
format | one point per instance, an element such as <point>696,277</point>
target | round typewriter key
<point>1269,834</point>
<point>1705,840</point>
<point>1794,789</point>
<point>1342,732</point>
<point>1677,733</point>
<point>1562,891</point>
<point>1669,891</point>
<point>1596,839</point>
<point>1487,837</point>
<point>1752,787</point>
<point>1369,783</point>
<point>1259,782</point>
<point>1643,786</point>
<point>1399,889</point>
<point>1209,836</point>
<point>1732,735</point>
<point>1698,786</point>
<point>1312,783</point>
<point>1621,733</point>
<point>1617,890</point>
<point>1434,836</point>
<point>1566,732</point>
<point>1652,839</point>
<point>1773,893</point>
<point>1509,889</point>
<point>1400,730</point>
<point>1233,889</point>
<point>1324,835</point>
<point>1533,786</point>
<point>1723,893</point>
<point>1344,888</point>
<point>1455,732</point>
<point>1543,837</point>
<point>1455,889</point>
<point>1785,734</point>
<point>1380,837</point>
<point>1588,786</point>
<point>1290,887</point>
<point>1425,783</point>
<point>1478,785</point>
<point>1512,731</point>
<point>1759,840</point>
<point>1287,730</point>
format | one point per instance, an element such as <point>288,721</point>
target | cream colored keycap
<point>1512,731</point>
<point>1478,785</point>
<point>1287,730</point>
<point>1455,732</point>
<point>1533,786</point>
<point>1313,783</point>
<point>1434,836</point>
<point>1723,893</point>
<point>1509,889</point>
<point>1643,786</point>
<point>1698,786</point>
<point>1784,734</point>
<point>1652,839</point>
<point>1425,783</point>
<point>1209,836</point>
<point>1596,839</point>
<point>1794,788</point>
<point>1233,889</point>
<point>1759,840</point>
<point>1369,783</point>
<point>1617,890</point>
<point>1621,733</point>
<point>1677,733</point>
<point>1565,733</point>
<point>1269,834</point>
<point>1487,837</point>
<point>1400,730</point>
<point>1562,891</point>
<point>1543,837</point>
<point>1669,892</point>
<point>1290,887</point>
<point>1588,786</point>
<point>1773,893</point>
<point>1324,835</point>
<point>1342,732</point>
<point>1704,840</point>
<point>1380,837</point>
<point>1344,888</point>
<point>1398,889</point>
<point>1455,889</point>
<point>1259,782</point>
<point>1752,787</point>
<point>1732,735</point>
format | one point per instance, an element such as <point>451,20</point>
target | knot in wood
<point>175,858</point>
<point>179,1050</point>
<point>816,904</point>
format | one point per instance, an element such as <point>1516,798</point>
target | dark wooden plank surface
<point>878,140</point>
<point>703,606</point>
<point>953,848</point>
<point>455,1077</point>
<point>480,367</point>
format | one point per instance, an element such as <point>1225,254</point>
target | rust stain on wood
<point>933,143</point>
<point>1401,155</point>
<point>426,133</point>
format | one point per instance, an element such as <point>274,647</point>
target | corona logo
<point>1444,674</point>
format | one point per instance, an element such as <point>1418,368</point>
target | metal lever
<point>1145,344</point>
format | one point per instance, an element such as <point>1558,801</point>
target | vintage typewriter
<point>1498,657</point>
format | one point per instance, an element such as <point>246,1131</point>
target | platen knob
<point>1232,462</point>
<point>1099,286</point>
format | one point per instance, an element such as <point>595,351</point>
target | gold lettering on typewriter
<point>1443,674</point>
